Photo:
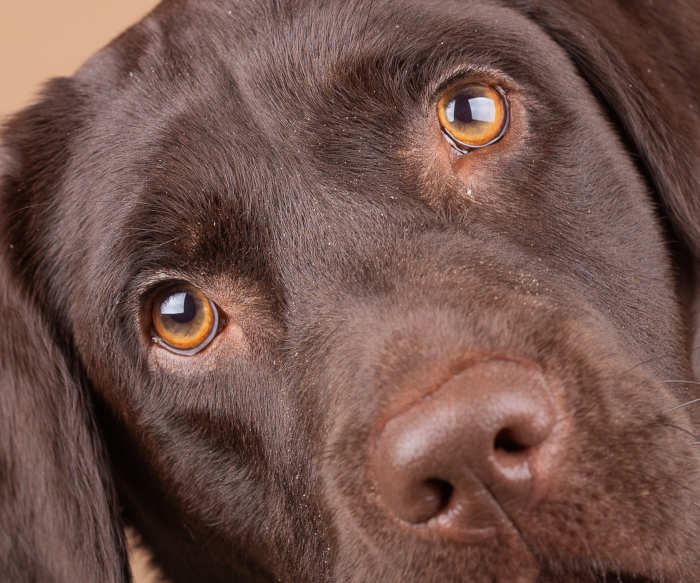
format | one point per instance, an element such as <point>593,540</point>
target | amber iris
<point>473,116</point>
<point>184,319</point>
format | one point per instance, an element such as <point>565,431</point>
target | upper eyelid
<point>466,74</point>
<point>155,280</point>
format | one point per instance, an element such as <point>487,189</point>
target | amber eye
<point>473,116</point>
<point>184,319</point>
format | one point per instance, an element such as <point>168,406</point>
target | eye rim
<point>170,289</point>
<point>448,94</point>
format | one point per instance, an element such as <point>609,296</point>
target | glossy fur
<point>285,158</point>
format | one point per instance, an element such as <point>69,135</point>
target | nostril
<point>423,501</point>
<point>507,442</point>
<point>441,492</point>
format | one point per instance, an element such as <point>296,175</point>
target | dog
<point>352,291</point>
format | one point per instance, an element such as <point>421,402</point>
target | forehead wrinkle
<point>190,232</point>
<point>208,161</point>
<point>194,209</point>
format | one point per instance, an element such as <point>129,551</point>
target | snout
<point>475,424</point>
<point>456,460</point>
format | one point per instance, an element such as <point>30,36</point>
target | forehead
<point>224,109</point>
<point>266,69</point>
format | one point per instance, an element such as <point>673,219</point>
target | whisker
<point>685,382</point>
<point>683,429</point>
<point>644,362</point>
<point>686,404</point>
<point>693,349</point>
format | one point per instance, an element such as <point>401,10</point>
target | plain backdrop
<point>40,39</point>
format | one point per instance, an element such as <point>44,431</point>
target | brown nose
<point>465,455</point>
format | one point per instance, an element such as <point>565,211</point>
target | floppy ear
<point>643,61</point>
<point>58,516</point>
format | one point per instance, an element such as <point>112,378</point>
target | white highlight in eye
<point>174,304</point>
<point>483,109</point>
<point>450,111</point>
<point>480,109</point>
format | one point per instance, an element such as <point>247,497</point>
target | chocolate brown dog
<point>352,291</point>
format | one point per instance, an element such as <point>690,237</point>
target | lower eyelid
<point>230,343</point>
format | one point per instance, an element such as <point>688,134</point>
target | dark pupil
<point>180,307</point>
<point>467,108</point>
<point>463,111</point>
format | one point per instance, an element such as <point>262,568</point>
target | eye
<point>184,319</point>
<point>473,116</point>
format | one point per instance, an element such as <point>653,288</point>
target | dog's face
<point>359,292</point>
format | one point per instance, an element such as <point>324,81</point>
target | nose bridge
<point>415,308</point>
<point>416,253</point>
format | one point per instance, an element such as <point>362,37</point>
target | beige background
<point>40,39</point>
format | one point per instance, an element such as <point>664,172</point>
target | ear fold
<point>643,61</point>
<point>58,516</point>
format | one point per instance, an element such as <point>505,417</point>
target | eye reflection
<point>466,110</point>
<point>179,306</point>
<point>473,116</point>
<point>184,320</point>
